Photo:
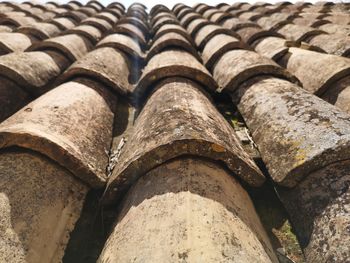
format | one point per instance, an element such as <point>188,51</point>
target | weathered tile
<point>72,46</point>
<point>179,119</point>
<point>237,66</point>
<point>184,199</point>
<point>107,65</point>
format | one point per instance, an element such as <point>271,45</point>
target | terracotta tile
<point>217,46</point>
<point>101,65</point>
<point>123,42</point>
<point>173,63</point>
<point>195,25</point>
<point>297,158</point>
<point>136,22</point>
<point>72,46</point>
<point>92,33</point>
<point>333,44</point>
<point>299,33</point>
<point>40,30</point>
<point>251,34</point>
<point>188,18</point>
<point>195,127</point>
<point>172,28</point>
<point>31,70</point>
<point>45,126</point>
<point>99,23</point>
<point>132,31</point>
<point>272,47</point>
<point>112,19</point>
<point>76,15</point>
<point>219,17</point>
<point>14,42</point>
<point>236,23</point>
<point>237,66</point>
<point>64,23</point>
<point>316,71</point>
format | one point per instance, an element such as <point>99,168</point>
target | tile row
<point>299,136</point>
<point>57,146</point>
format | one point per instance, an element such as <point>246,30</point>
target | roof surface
<point>107,96</point>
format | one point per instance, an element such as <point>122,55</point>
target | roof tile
<point>178,119</point>
<point>45,126</point>
<point>72,46</point>
<point>100,65</point>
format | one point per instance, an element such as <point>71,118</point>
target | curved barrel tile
<point>195,25</point>
<point>142,15</point>
<point>219,17</point>
<point>202,8</point>
<point>269,23</point>
<point>108,65</point>
<point>96,5</point>
<point>46,126</point>
<point>208,31</point>
<point>164,21</point>
<point>178,119</point>
<point>172,28</point>
<point>124,43</point>
<point>309,22</point>
<point>89,11</point>
<point>110,18</point>
<point>250,16</point>
<point>132,31</point>
<point>174,41</point>
<point>137,22</point>
<point>173,63</point>
<point>184,12</point>
<point>160,16</point>
<point>182,196</point>
<point>178,7</point>
<point>158,8</point>
<point>272,47</point>
<point>236,23</point>
<point>304,142</point>
<point>17,20</point>
<point>335,29</point>
<point>14,42</point>
<point>74,15</point>
<point>217,46</point>
<point>316,71</point>
<point>40,30</point>
<point>99,23</point>
<point>339,94</point>
<point>63,23</point>
<point>72,46</point>
<point>209,13</point>
<point>92,33</point>
<point>188,18</point>
<point>299,33</point>
<point>117,12</point>
<point>31,70</point>
<point>251,34</point>
<point>237,66</point>
<point>40,201</point>
<point>339,18</point>
<point>322,226</point>
<point>296,132</point>
<point>118,5</point>
<point>335,44</point>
